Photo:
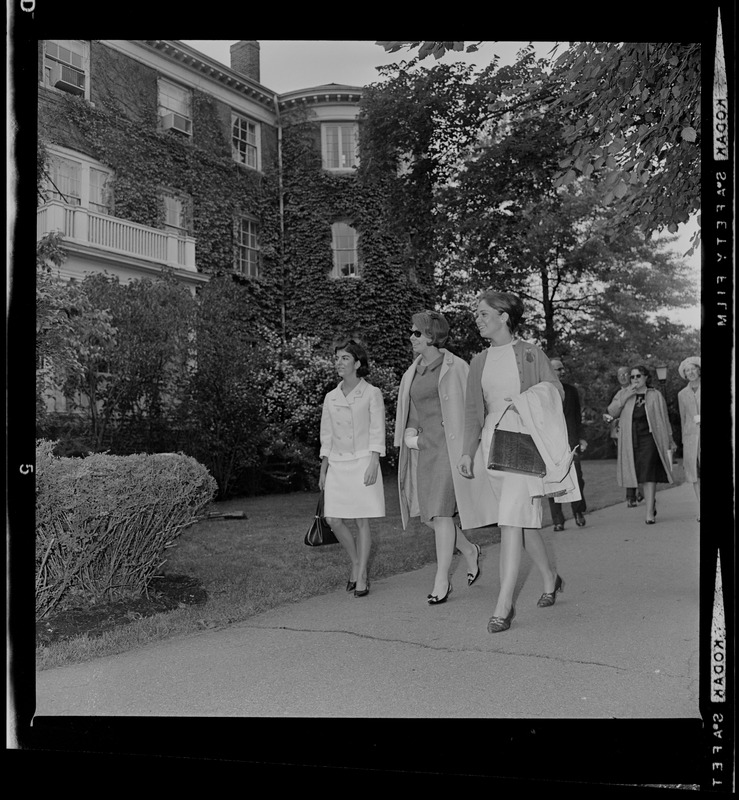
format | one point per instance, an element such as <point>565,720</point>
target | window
<point>339,145</point>
<point>245,141</point>
<point>79,181</point>
<point>344,243</point>
<point>174,107</point>
<point>66,65</point>
<point>177,214</point>
<point>247,247</point>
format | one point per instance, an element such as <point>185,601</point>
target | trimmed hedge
<point>103,522</point>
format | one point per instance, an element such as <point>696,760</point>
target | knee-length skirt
<point>346,496</point>
<point>516,507</point>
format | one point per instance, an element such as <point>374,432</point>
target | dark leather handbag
<point>320,532</point>
<point>515,452</point>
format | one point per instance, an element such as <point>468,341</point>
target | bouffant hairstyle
<point>359,354</point>
<point>505,301</point>
<point>644,371</point>
<point>433,325</point>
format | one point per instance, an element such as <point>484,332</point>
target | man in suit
<point>573,420</point>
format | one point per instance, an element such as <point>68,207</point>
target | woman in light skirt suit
<point>352,441</point>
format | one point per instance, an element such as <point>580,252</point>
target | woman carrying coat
<point>645,438</point>
<point>689,402</point>
<point>428,430</point>
<point>352,441</point>
<point>513,371</point>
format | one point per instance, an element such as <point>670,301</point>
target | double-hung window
<point>247,247</point>
<point>67,65</point>
<point>339,145</point>
<point>344,240</point>
<point>177,214</point>
<point>174,107</point>
<point>78,181</point>
<point>245,141</point>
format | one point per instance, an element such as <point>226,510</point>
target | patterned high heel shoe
<point>500,624</point>
<point>433,600</point>
<point>472,577</point>
<point>548,598</point>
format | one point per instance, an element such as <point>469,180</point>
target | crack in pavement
<point>425,646</point>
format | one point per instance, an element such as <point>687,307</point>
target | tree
<point>631,116</point>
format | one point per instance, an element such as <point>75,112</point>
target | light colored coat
<point>353,426</point>
<point>659,426</point>
<point>541,412</point>
<point>689,403</point>
<point>471,495</point>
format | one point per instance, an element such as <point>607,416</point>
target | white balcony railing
<point>116,235</point>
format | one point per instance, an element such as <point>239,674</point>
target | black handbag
<point>320,531</point>
<point>515,452</point>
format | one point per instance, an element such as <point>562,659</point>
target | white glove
<point>410,437</point>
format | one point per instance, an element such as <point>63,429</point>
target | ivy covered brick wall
<point>376,306</point>
<point>119,128</point>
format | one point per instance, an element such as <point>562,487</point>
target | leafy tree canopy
<point>630,114</point>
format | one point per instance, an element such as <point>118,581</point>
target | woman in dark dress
<point>429,432</point>
<point>645,438</point>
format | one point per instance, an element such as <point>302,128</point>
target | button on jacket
<point>353,426</point>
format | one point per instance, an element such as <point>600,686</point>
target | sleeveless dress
<point>647,463</point>
<point>435,484</point>
<point>500,379</point>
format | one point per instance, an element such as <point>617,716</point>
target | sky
<point>286,65</point>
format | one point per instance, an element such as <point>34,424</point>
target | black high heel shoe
<point>471,578</point>
<point>548,598</point>
<point>362,592</point>
<point>351,586</point>
<point>433,600</point>
<point>500,624</point>
<point>654,514</point>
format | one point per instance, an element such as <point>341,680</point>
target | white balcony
<point>116,235</point>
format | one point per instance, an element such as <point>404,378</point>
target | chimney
<point>245,59</point>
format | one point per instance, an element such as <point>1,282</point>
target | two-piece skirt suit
<point>352,428</point>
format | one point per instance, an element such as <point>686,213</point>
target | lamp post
<point>662,375</point>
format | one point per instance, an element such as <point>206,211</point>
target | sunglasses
<point>417,334</point>
<point>634,377</point>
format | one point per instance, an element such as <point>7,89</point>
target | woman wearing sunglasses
<point>429,428</point>
<point>645,438</point>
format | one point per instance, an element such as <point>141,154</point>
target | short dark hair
<point>644,371</point>
<point>358,353</point>
<point>505,301</point>
<point>434,325</point>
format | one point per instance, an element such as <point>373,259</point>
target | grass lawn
<point>251,565</point>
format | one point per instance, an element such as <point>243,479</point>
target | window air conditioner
<point>177,122</point>
<point>67,78</point>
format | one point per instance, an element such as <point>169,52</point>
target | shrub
<point>103,522</point>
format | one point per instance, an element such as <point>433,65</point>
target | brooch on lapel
<point>529,355</point>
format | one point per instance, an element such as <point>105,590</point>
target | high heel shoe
<point>471,578</point>
<point>362,592</point>
<point>548,598</point>
<point>433,600</point>
<point>351,586</point>
<point>500,624</point>
<point>654,514</point>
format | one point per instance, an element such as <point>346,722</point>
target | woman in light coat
<point>645,438</point>
<point>429,429</point>
<point>509,371</point>
<point>689,402</point>
<point>352,441</point>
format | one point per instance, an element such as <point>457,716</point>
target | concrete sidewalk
<point>620,642</point>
